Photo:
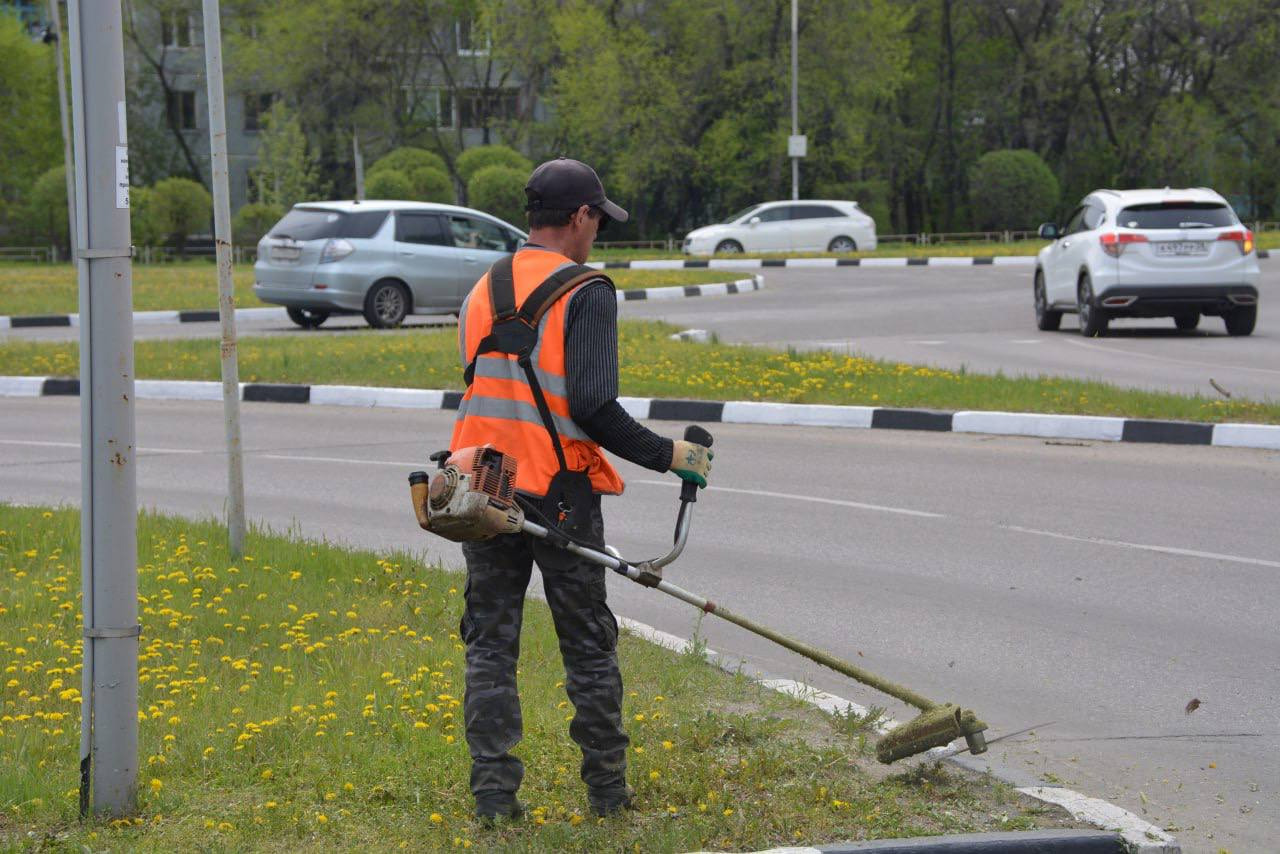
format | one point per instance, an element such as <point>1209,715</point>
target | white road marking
<point>1119,351</point>
<point>1025,341</point>
<point>926,342</point>
<point>1144,547</point>
<point>303,459</point>
<point>811,498</point>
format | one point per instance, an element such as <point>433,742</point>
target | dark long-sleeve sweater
<point>591,367</point>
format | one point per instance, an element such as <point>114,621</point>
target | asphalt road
<point>978,317</point>
<point>1100,586</point>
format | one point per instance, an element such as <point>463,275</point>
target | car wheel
<point>1187,321</point>
<point>307,318</point>
<point>1046,319</point>
<point>842,244</point>
<point>386,304</point>
<point>728,247</point>
<point>1093,319</point>
<point>1240,321</point>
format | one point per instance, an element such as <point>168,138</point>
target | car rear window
<point>319,224</point>
<point>814,212</point>
<point>1176,215</point>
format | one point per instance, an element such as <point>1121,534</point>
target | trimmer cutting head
<point>936,727</point>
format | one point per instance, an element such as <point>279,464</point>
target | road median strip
<point>1031,424</point>
<point>826,263</point>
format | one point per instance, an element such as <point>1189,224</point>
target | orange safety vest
<point>499,406</point>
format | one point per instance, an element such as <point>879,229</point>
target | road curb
<point>140,318</point>
<point>1032,424</point>
<point>820,263</point>
<point>1119,829</point>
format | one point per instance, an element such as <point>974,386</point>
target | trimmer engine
<point>472,497</point>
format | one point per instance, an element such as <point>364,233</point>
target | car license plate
<point>1170,248</point>
<point>285,253</point>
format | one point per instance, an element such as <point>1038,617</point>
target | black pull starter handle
<point>699,436</point>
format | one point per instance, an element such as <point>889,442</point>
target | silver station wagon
<point>384,260</point>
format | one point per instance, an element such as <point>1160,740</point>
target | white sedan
<point>798,226</point>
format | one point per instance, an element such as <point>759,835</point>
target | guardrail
<point>39,254</point>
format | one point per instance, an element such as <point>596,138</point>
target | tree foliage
<point>480,157</point>
<point>180,207</point>
<point>1012,189</point>
<point>389,184</point>
<point>30,137</point>
<point>499,190</point>
<point>46,214</point>
<point>287,172</point>
<point>254,220</point>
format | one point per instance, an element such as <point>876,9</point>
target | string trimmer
<point>472,497</point>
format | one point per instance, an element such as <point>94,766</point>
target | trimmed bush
<point>471,161</point>
<point>431,185</point>
<point>405,160</point>
<point>252,221</point>
<point>181,207</point>
<point>390,184</point>
<point>499,190</point>
<point>1012,189</point>
<point>47,208</point>
<point>143,229</point>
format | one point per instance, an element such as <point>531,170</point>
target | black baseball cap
<point>566,185</point>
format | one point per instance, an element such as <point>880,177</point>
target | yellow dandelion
<point>436,818</point>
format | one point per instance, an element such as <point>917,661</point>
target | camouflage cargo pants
<point>498,572</point>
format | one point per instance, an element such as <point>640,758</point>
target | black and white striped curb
<point>757,263</point>
<point>1083,427</point>
<point>739,286</point>
<point>1124,830</point>
<point>1019,842</point>
<point>1100,428</point>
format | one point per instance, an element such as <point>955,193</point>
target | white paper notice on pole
<point>797,145</point>
<point>120,123</point>
<point>122,176</point>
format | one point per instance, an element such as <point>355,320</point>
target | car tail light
<point>335,250</point>
<point>1243,238</point>
<point>1113,243</point>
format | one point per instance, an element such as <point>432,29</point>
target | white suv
<point>1148,253</point>
<point>799,226</point>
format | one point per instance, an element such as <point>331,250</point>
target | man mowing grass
<point>538,339</point>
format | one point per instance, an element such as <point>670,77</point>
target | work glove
<point>691,461</point>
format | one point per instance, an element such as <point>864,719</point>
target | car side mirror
<point>754,221</point>
<point>1049,231</point>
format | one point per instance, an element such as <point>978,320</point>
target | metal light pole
<point>797,144</point>
<point>109,503</point>
<point>226,291</point>
<point>55,22</point>
<point>359,159</point>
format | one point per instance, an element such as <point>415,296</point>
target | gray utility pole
<point>55,22</point>
<point>109,501</point>
<point>355,152</point>
<point>797,144</point>
<point>226,292</point>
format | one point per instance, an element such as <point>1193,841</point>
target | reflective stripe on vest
<point>498,407</point>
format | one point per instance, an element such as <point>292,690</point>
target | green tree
<point>254,220</point>
<point>180,207</point>
<point>287,172</point>
<point>499,190</point>
<point>1012,189</point>
<point>30,138</point>
<point>46,215</point>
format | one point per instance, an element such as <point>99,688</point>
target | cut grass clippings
<point>650,365</point>
<point>27,289</point>
<point>308,697</point>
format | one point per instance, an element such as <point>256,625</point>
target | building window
<point>256,108</point>
<point>470,43</point>
<point>432,107</point>
<point>181,108</point>
<point>175,30</point>
<point>476,107</point>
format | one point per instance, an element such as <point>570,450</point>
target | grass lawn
<point>651,365</point>
<point>308,698</point>
<point>53,289</point>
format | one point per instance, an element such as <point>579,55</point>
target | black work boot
<point>492,806</point>
<point>610,801</point>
